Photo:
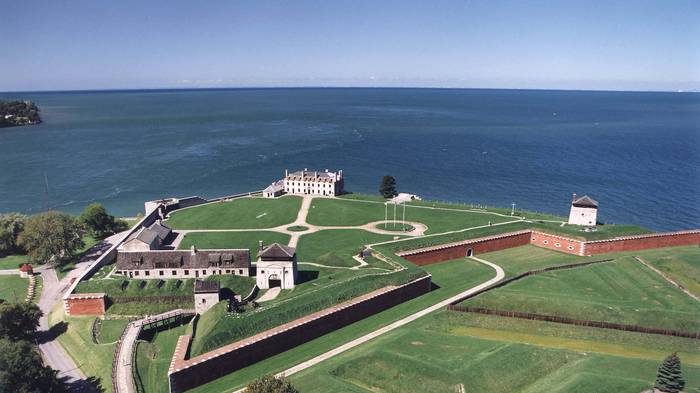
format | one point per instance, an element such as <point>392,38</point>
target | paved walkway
<point>270,294</point>
<point>401,322</point>
<point>9,272</point>
<point>124,376</point>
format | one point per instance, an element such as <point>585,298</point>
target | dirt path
<point>401,322</point>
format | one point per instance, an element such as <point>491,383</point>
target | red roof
<point>26,268</point>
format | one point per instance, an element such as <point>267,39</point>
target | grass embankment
<point>682,264</point>
<point>65,267</point>
<point>450,278</point>
<point>622,291</point>
<point>339,212</point>
<point>153,355</point>
<point>607,231</point>
<point>249,240</point>
<point>336,247</point>
<point>12,261</point>
<point>239,213</point>
<point>522,259</point>
<point>94,360</point>
<point>444,350</point>
<point>13,288</point>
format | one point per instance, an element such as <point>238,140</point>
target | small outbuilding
<point>276,266</point>
<point>274,190</point>
<point>206,295</point>
<point>584,211</point>
<point>26,270</point>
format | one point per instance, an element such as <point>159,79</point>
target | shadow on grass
<point>90,384</point>
<point>65,266</point>
<point>306,276</point>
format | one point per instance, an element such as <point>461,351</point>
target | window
<point>545,241</point>
<point>262,272</point>
<point>160,272</point>
<point>204,301</point>
<point>204,272</point>
<point>174,272</point>
<point>570,247</point>
<point>136,273</point>
<point>228,271</point>
<point>147,273</point>
<point>557,244</point>
<point>187,272</point>
<point>240,271</point>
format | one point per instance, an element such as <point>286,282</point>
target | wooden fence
<point>577,322</point>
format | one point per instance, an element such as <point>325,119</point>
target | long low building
<point>192,263</point>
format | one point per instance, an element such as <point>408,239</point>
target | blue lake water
<point>638,154</point>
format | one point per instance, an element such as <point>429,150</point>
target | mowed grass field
<point>446,350</point>
<point>522,259</point>
<point>621,291</point>
<point>153,356</point>
<point>343,212</point>
<point>335,247</point>
<point>449,277</point>
<point>682,264</point>
<point>13,288</point>
<point>12,261</point>
<point>247,239</point>
<point>239,213</point>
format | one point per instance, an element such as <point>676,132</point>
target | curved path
<point>401,322</point>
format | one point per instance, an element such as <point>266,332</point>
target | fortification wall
<point>446,252</point>
<point>85,304</point>
<point>187,374</point>
<point>643,242</point>
<point>556,243</point>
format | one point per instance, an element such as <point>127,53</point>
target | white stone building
<point>193,263</point>
<point>206,295</point>
<point>584,211</point>
<point>274,190</point>
<point>151,238</point>
<point>314,182</point>
<point>276,266</point>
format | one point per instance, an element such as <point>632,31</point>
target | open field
<point>111,330</point>
<point>94,360</point>
<point>335,247</point>
<point>153,356</point>
<point>682,264</point>
<point>621,291</point>
<point>524,258</point>
<point>239,213</point>
<point>249,240</point>
<point>442,351</point>
<point>12,261</point>
<point>13,288</point>
<point>449,277</point>
<point>339,212</point>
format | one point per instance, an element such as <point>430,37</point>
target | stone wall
<point>85,304</point>
<point>186,374</point>
<point>446,252</point>
<point>643,242</point>
<point>556,243</point>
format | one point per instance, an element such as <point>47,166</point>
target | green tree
<point>51,236</point>
<point>18,321</point>
<point>11,225</point>
<point>669,379</point>
<point>270,384</point>
<point>388,187</point>
<point>99,223</point>
<point>22,370</point>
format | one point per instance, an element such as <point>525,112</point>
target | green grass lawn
<point>13,288</point>
<point>111,330</point>
<point>340,212</point>
<point>397,227</point>
<point>335,247</point>
<point>449,277</point>
<point>682,264</point>
<point>94,360</point>
<point>521,259</point>
<point>441,351</point>
<point>12,261</point>
<point>249,240</point>
<point>602,231</point>
<point>622,291</point>
<point>239,213</point>
<point>153,356</point>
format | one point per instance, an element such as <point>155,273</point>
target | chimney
<point>573,198</point>
<point>260,245</point>
<point>193,250</point>
<point>286,172</point>
<point>315,174</point>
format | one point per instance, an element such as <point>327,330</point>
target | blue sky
<point>620,45</point>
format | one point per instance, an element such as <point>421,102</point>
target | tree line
<point>55,236</point>
<point>18,113</point>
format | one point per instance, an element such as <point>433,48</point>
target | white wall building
<point>276,266</point>
<point>165,264</point>
<point>584,211</point>
<point>274,190</point>
<point>314,182</point>
<point>206,295</point>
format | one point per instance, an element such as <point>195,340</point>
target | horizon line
<point>157,89</point>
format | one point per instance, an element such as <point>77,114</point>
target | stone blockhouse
<point>164,264</point>
<point>584,211</point>
<point>314,182</point>
<point>206,295</point>
<point>150,238</point>
<point>276,266</point>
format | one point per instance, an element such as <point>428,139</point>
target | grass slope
<point>622,291</point>
<point>249,240</point>
<point>239,213</point>
<point>13,288</point>
<point>335,247</point>
<point>153,359</point>
<point>12,261</point>
<point>682,264</point>
<point>521,259</point>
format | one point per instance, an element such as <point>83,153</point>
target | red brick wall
<point>642,242</point>
<point>557,243</point>
<point>85,306</point>
<point>478,246</point>
<point>188,374</point>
